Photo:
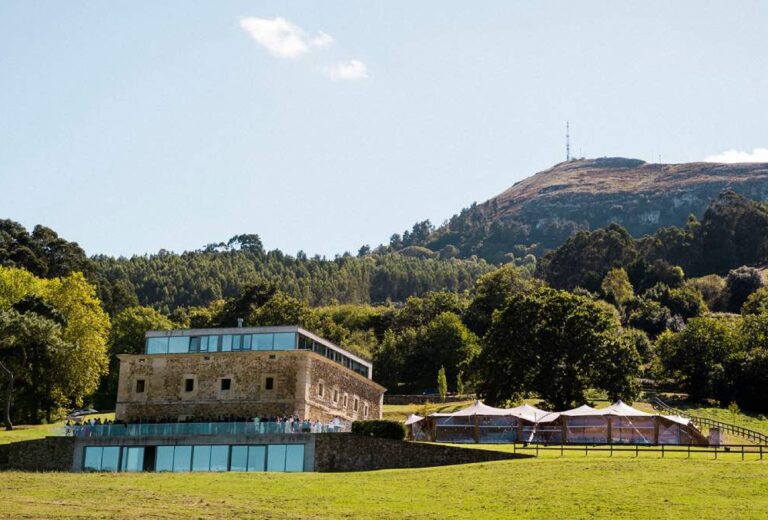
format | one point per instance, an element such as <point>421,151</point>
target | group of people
<point>81,427</point>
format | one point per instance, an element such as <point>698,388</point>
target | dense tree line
<point>733,232</point>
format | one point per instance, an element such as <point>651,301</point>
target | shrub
<point>382,429</point>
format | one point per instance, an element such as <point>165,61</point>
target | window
<point>189,385</point>
<point>178,345</point>
<point>139,386</point>
<point>269,383</point>
<point>335,396</point>
<point>226,384</point>
<point>157,345</point>
<point>321,390</point>
<point>365,411</point>
<point>344,401</point>
<point>356,404</point>
<point>194,344</point>
<point>285,341</point>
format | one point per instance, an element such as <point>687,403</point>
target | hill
<point>542,211</point>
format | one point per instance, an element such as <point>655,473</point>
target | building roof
<point>256,330</point>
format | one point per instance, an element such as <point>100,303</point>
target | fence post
<point>715,451</point>
<point>586,449</point>
<point>761,452</point>
<point>537,449</point>
<point>637,450</point>
<point>662,451</point>
<point>689,450</point>
<point>561,449</point>
<point>742,452</point>
<point>611,450</point>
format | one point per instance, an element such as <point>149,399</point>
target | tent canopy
<point>479,408</point>
<point>412,419</point>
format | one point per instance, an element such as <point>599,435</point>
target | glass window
<point>182,456</point>
<point>201,458</point>
<point>262,341</point>
<point>139,386</point>
<point>219,458</point>
<point>294,457</point>
<point>239,458</point>
<point>189,385</point>
<point>285,341</point>
<point>92,458</point>
<point>226,384</point>
<point>237,343</point>
<point>269,383</point>
<point>246,342</point>
<point>164,458</point>
<point>157,345</point>
<point>178,344</point>
<point>276,457</point>
<point>213,343</point>
<point>226,343</point>
<point>109,458</point>
<point>133,459</point>
<point>194,344</point>
<point>256,458</point>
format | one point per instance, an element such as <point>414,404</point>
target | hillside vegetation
<point>540,212</point>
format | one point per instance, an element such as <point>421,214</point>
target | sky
<point>130,127</point>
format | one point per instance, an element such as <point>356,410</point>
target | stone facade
<point>261,383</point>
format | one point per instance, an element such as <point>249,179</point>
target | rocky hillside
<point>541,211</point>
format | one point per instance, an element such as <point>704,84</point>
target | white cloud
<point>283,38</point>
<point>347,70</point>
<point>736,156</point>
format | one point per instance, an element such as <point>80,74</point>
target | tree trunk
<point>8,397</point>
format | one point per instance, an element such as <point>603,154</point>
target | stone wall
<point>295,377</point>
<point>331,392</point>
<point>348,452</point>
<point>48,454</point>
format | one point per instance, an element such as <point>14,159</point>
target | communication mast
<point>567,140</point>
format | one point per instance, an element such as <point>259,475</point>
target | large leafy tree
<point>557,345</point>
<point>29,344</point>
<point>694,356</point>
<point>79,360</point>
<point>492,290</point>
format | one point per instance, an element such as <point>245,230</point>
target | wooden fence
<point>637,449</point>
<point>733,429</point>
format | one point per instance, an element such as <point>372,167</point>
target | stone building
<point>201,374</point>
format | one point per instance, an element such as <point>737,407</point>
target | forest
<point>684,308</point>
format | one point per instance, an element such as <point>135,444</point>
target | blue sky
<point>134,126</point>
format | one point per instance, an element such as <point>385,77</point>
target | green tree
<point>443,342</point>
<point>459,383</point>
<point>442,383</point>
<point>616,287</point>
<point>740,284</point>
<point>79,361</point>
<point>28,345</point>
<point>557,345</point>
<point>756,303</point>
<point>695,355</point>
<point>492,290</point>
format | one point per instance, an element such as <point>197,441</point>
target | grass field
<point>570,488</point>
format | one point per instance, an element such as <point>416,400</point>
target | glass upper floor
<point>250,339</point>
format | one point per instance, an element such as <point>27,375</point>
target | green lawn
<point>27,432</point>
<point>548,488</point>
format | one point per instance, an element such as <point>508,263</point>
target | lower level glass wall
<point>202,457</point>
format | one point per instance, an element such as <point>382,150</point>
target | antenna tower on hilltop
<point>567,140</point>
